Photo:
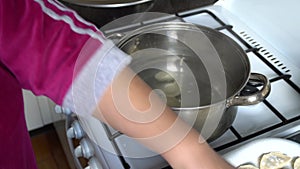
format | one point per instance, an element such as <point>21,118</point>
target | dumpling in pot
<point>162,76</point>
<point>171,89</point>
<point>274,160</point>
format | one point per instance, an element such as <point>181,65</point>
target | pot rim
<point>175,25</point>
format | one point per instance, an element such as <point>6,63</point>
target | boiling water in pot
<point>155,53</point>
<point>177,75</point>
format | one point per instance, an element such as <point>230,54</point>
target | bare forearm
<point>150,121</point>
<point>194,154</point>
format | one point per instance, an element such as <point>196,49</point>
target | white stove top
<point>277,22</point>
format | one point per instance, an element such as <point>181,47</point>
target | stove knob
<point>60,110</point>
<point>85,149</point>
<point>93,164</point>
<point>75,131</point>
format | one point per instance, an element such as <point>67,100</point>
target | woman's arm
<point>137,117</point>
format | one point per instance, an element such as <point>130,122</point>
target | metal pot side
<point>211,115</point>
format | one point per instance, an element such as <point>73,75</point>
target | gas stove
<point>271,50</point>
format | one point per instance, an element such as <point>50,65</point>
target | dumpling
<point>162,76</point>
<point>247,166</point>
<point>297,163</point>
<point>171,89</point>
<point>274,160</point>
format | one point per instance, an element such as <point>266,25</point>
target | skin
<point>128,105</point>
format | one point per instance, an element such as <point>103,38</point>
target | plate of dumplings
<point>268,153</point>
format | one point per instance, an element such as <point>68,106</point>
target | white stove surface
<point>276,21</point>
<point>285,58</point>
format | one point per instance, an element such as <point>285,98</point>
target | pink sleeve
<point>41,41</point>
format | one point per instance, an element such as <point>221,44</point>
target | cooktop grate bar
<point>252,49</point>
<point>284,76</point>
<point>242,139</point>
<point>275,111</point>
<point>224,27</point>
<point>236,133</point>
<point>256,134</point>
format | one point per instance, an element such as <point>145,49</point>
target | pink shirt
<point>40,42</point>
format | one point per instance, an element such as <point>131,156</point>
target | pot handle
<point>255,98</point>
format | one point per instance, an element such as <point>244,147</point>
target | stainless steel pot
<point>199,71</point>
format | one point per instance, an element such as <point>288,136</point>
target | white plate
<point>252,151</point>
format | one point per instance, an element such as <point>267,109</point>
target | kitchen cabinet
<point>39,111</point>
